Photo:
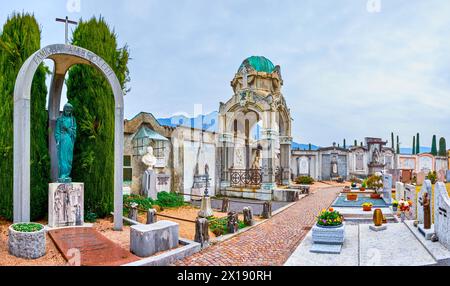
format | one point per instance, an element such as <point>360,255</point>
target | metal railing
<point>245,178</point>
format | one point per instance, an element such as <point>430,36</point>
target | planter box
<point>29,245</point>
<point>367,209</point>
<point>375,196</point>
<point>328,234</point>
<point>352,197</point>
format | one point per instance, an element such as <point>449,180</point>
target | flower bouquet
<point>404,206</point>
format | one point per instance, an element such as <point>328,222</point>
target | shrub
<point>432,176</point>
<point>142,202</point>
<point>374,182</point>
<point>304,180</point>
<point>166,199</point>
<point>90,217</point>
<point>218,226</point>
<point>27,227</point>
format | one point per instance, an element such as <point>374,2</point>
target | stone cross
<point>67,22</point>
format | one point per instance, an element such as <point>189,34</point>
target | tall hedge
<point>19,39</point>
<point>434,150</point>
<point>442,147</point>
<point>91,96</point>
<point>418,143</point>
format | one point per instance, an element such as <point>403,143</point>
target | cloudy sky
<point>349,70</point>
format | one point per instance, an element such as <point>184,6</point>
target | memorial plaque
<point>94,249</point>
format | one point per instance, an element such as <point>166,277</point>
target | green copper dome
<point>260,64</point>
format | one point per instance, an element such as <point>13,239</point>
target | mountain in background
<point>209,122</point>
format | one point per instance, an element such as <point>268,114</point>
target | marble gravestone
<point>399,191</point>
<point>387,188</point>
<point>65,204</point>
<point>448,176</point>
<point>411,195</point>
<point>442,214</point>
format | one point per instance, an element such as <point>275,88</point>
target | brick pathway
<point>270,243</point>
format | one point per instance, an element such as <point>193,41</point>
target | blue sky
<point>348,72</point>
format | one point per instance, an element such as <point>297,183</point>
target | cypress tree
<point>20,38</point>
<point>93,101</point>
<point>356,143</point>
<point>414,145</point>
<point>398,145</point>
<point>345,145</point>
<point>392,140</point>
<point>442,147</point>
<point>434,146</point>
<point>309,147</point>
<point>417,143</point>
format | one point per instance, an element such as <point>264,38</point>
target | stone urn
<point>27,240</point>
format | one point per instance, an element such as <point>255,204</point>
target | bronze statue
<point>426,211</point>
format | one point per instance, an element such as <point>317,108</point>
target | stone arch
<point>64,56</point>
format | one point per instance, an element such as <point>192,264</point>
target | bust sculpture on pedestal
<point>149,178</point>
<point>65,199</point>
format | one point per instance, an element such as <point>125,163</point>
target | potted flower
<point>363,186</point>
<point>352,197</point>
<point>329,228</point>
<point>394,205</point>
<point>375,182</point>
<point>27,240</point>
<point>367,207</point>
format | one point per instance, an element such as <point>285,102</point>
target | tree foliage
<point>91,95</point>
<point>434,151</point>
<point>19,39</point>
<point>442,147</point>
<point>418,143</point>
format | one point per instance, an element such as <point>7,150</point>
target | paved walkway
<point>270,243</point>
<point>237,204</point>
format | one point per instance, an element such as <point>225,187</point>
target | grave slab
<point>94,248</point>
<point>395,246</point>
<point>326,248</point>
<point>437,250</point>
<point>348,256</point>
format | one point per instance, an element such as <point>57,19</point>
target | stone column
<point>151,216</point>
<point>285,157</point>
<point>202,232</point>
<point>225,205</point>
<point>226,144</point>
<point>267,210</point>
<point>248,216</point>
<point>268,159</point>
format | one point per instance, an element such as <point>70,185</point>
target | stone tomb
<point>148,239</point>
<point>411,194</point>
<point>65,204</point>
<point>441,214</point>
<point>87,247</point>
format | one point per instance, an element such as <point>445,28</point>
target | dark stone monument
<point>232,223</point>
<point>202,231</point>
<point>267,210</point>
<point>248,216</point>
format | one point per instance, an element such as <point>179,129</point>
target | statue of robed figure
<point>65,134</point>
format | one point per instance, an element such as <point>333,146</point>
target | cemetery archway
<point>64,57</point>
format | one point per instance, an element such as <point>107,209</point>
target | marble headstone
<point>420,178</point>
<point>387,188</point>
<point>411,195</point>
<point>441,214</point>
<point>448,176</point>
<point>65,204</point>
<point>399,191</point>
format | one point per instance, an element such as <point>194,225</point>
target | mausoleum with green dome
<point>259,63</point>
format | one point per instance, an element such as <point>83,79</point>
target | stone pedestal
<point>202,232</point>
<point>378,228</point>
<point>65,204</point>
<point>205,210</point>
<point>28,245</point>
<point>149,184</point>
<point>148,239</point>
<point>427,233</point>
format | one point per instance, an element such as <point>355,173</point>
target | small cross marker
<point>67,22</point>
